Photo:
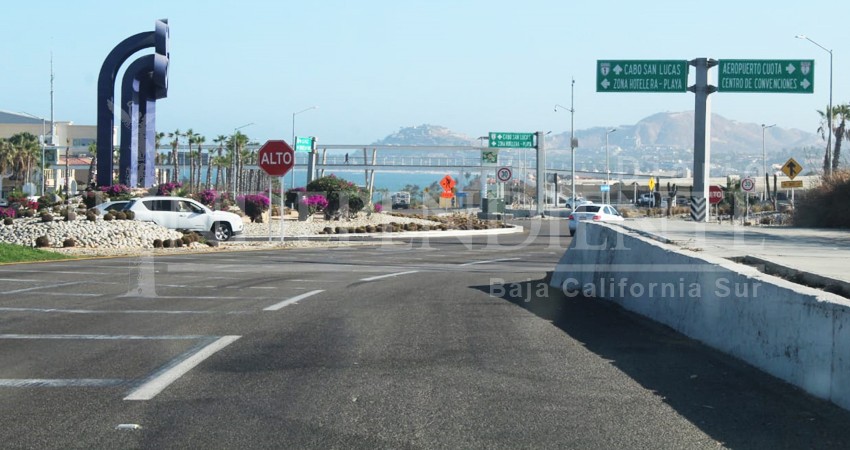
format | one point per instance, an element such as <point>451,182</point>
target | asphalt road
<point>452,342</point>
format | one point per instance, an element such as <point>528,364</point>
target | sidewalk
<point>821,252</point>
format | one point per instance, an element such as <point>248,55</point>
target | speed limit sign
<point>504,174</point>
<point>748,184</point>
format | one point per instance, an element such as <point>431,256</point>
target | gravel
<point>130,237</point>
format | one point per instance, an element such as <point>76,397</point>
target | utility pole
<point>702,137</point>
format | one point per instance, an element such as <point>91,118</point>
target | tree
<point>190,139</point>
<point>219,160</point>
<point>92,149</point>
<point>25,151</point>
<point>839,131</point>
<point>158,137</point>
<point>175,176</point>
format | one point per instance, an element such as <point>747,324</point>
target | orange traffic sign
<point>792,168</point>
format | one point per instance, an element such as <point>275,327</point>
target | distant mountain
<point>668,130</point>
<point>426,135</point>
<point>676,130</point>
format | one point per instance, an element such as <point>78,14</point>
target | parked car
<point>594,212</point>
<point>115,205</point>
<point>179,213</point>
<point>4,203</point>
<point>645,200</point>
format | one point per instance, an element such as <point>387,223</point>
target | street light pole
<point>233,177</point>
<point>572,111</point>
<point>828,168</point>
<point>293,137</point>
<point>607,164</point>
<point>764,156</point>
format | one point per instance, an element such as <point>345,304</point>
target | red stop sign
<point>276,158</point>
<point>715,194</point>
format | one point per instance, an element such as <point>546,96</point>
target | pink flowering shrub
<point>254,205</point>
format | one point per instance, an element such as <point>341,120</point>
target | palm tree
<point>25,153</point>
<point>92,149</point>
<point>220,140</point>
<point>840,113</point>
<point>199,141</point>
<point>190,139</point>
<point>158,137</point>
<point>175,176</point>
<point>239,142</point>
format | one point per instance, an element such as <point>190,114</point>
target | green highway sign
<point>511,140</point>
<point>641,76</point>
<point>304,144</point>
<point>789,76</point>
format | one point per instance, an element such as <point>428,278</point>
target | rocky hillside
<point>426,135</point>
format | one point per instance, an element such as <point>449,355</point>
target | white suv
<point>179,213</point>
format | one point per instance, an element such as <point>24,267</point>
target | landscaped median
<point>796,333</point>
<point>84,237</point>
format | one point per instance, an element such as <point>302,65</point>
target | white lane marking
<point>117,311</point>
<point>488,261</point>
<point>154,386</point>
<point>389,275</point>
<point>69,294</point>
<point>102,337</point>
<point>67,283</point>
<point>50,382</point>
<point>292,300</point>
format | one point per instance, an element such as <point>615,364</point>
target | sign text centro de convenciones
<point>766,75</point>
<point>641,76</point>
<point>511,140</point>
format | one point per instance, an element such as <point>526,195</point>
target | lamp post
<point>764,156</point>
<point>293,136</point>
<point>573,145</point>
<point>828,168</point>
<point>607,164</point>
<point>233,176</point>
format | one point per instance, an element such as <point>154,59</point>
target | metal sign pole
<point>702,134</point>
<point>270,209</point>
<point>281,208</point>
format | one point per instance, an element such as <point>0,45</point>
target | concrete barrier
<point>798,334</point>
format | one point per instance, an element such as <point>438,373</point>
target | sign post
<point>748,185</point>
<point>276,158</point>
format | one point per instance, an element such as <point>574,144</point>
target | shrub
<point>291,196</point>
<point>335,189</point>
<point>92,198</point>
<point>254,205</point>
<point>157,243</point>
<point>178,243</point>
<point>169,188</point>
<point>208,197</point>
<point>70,242</point>
<point>379,208</point>
<point>826,205</point>
<point>168,243</point>
<point>46,217</point>
<point>42,241</point>
<point>120,215</point>
<point>315,203</point>
<point>129,215</point>
<point>69,214</point>
<point>7,212</point>
<point>91,216</point>
<point>8,221</point>
<point>117,191</point>
<point>108,216</point>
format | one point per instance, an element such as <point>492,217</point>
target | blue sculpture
<point>106,98</point>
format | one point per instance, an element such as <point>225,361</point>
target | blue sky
<point>372,67</point>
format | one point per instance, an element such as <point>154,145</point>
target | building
<point>69,139</point>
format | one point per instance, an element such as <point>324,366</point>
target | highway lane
<point>452,342</point>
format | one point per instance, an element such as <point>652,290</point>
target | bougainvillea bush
<point>315,203</point>
<point>169,188</point>
<point>254,205</point>
<point>117,192</point>
<point>337,189</point>
<point>208,197</point>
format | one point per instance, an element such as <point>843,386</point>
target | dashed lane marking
<point>162,380</point>
<point>389,275</point>
<point>290,301</point>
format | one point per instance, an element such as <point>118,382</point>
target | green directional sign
<point>304,144</point>
<point>511,140</point>
<point>641,75</point>
<point>788,76</point>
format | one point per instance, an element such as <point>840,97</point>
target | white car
<point>180,213</point>
<point>594,212</point>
